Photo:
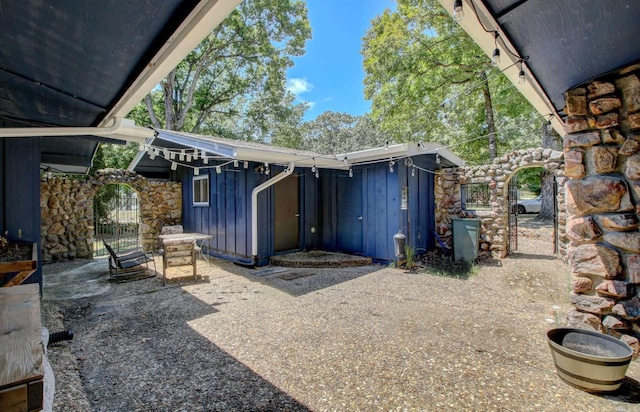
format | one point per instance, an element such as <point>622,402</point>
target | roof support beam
<point>117,129</point>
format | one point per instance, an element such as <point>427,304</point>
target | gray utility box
<point>466,239</point>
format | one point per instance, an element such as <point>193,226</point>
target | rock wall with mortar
<point>67,211</point>
<point>494,236</point>
<point>602,155</point>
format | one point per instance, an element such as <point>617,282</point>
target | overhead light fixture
<point>521,77</point>
<point>422,145</point>
<point>438,158</point>
<point>458,11</point>
<point>386,145</point>
<point>548,125</point>
<point>317,173</point>
<point>391,163</point>
<point>413,171</point>
<point>345,161</point>
<point>350,172</point>
<point>495,59</point>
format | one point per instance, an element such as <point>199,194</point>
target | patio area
<point>297,339</point>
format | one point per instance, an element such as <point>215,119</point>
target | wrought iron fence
<point>476,197</point>
<point>116,219</point>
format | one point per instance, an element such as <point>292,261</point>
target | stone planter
<point>588,360</point>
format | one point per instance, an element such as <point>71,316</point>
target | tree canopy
<point>333,133</point>
<point>233,83</point>
<point>429,81</point>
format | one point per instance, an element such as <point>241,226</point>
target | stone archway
<point>493,236</point>
<point>521,222</point>
<point>67,226</point>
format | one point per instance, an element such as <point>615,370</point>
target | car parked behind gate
<point>529,205</point>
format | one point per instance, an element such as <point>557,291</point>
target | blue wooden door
<point>349,212</point>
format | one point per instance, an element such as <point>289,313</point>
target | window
<point>476,197</point>
<point>201,190</point>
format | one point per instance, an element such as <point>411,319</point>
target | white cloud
<point>297,86</point>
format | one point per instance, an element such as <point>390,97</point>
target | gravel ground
<point>348,339</point>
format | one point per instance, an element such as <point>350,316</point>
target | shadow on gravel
<point>629,392</point>
<point>139,352</point>
<point>300,281</point>
<point>516,255</point>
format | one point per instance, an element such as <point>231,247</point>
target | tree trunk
<point>547,199</point>
<point>488,109</point>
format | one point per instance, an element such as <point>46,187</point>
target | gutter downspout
<point>254,207</point>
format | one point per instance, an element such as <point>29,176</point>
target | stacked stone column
<point>602,162</point>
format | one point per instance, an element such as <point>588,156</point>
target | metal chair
<point>129,263</point>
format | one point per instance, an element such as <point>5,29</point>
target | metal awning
<point>152,162</point>
<point>565,42</point>
<point>81,64</point>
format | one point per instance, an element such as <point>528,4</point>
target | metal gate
<point>116,218</point>
<point>513,216</point>
<point>556,234</point>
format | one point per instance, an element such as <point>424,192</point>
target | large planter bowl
<point>589,360</point>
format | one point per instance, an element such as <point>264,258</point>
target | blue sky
<point>329,76</point>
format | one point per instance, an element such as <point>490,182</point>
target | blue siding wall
<point>380,209</point>
<point>420,215</point>
<point>228,216</point>
<point>330,206</point>
<point>20,193</point>
<point>2,185</point>
<point>379,194</point>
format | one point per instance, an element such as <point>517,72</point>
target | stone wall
<point>67,211</point>
<point>494,223</point>
<point>602,155</point>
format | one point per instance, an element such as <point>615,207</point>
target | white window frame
<point>198,183</point>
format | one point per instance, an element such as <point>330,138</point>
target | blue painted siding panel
<point>241,215</point>
<point>21,194</point>
<point>349,216</point>
<point>230,209</point>
<point>2,186</point>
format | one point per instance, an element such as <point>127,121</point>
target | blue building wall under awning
<point>228,216</point>
<point>358,214</point>
<point>362,213</point>
<point>20,194</point>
